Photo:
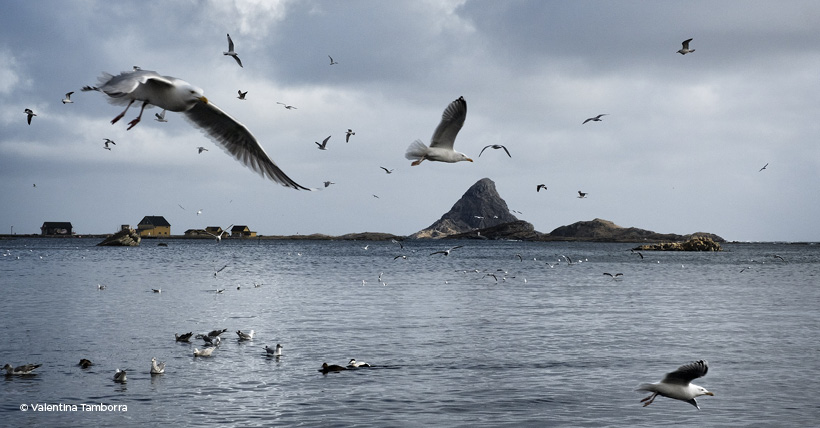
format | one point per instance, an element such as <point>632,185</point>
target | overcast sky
<point>679,152</point>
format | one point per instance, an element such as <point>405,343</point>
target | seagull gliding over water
<point>677,384</point>
<point>441,144</point>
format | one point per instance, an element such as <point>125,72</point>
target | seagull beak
<point>469,159</point>
<point>710,393</point>
<point>203,99</point>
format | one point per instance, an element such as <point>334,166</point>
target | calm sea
<point>547,344</point>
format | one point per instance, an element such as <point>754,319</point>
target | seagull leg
<point>134,122</point>
<point>415,163</point>
<point>119,116</point>
<point>651,398</point>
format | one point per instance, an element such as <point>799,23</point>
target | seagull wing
<point>686,43</point>
<point>237,140</point>
<point>591,118</point>
<point>230,44</point>
<point>508,152</point>
<point>451,122</point>
<point>482,150</point>
<point>687,372</point>
<point>120,87</point>
<point>238,61</point>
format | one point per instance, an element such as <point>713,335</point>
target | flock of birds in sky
<point>177,95</point>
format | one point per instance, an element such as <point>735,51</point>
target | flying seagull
<point>685,47</point>
<point>348,134</point>
<point>288,106</point>
<point>494,146</point>
<point>677,384</point>
<point>160,117</point>
<point>67,99</point>
<point>595,119</point>
<point>323,146</point>
<point>231,52</point>
<point>332,62</point>
<point>441,144</point>
<point>540,186</point>
<point>107,142</point>
<point>447,251</point>
<point>764,167</point>
<point>613,276</point>
<point>389,171</point>
<point>328,183</point>
<point>242,94</point>
<point>582,194</point>
<point>201,149</point>
<point>177,95</point>
<point>30,114</point>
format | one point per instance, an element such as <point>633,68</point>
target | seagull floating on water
<point>157,368</point>
<point>245,336</point>
<point>277,352</point>
<point>242,94</point>
<point>177,95</point>
<point>685,47</point>
<point>206,352</point>
<point>677,384</point>
<point>185,337</point>
<point>348,133</point>
<point>323,146</point>
<point>495,146</point>
<point>595,119</point>
<point>441,144</point>
<point>217,332</point>
<point>119,376</point>
<point>84,363</point>
<point>20,370</point>
<point>160,117</point>
<point>30,114</point>
<point>231,52</point>
<point>67,99</point>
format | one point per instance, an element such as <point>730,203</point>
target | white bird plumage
<point>231,52</point>
<point>20,370</point>
<point>157,368</point>
<point>245,336</point>
<point>67,99</point>
<point>677,384</point>
<point>177,95</point>
<point>205,352</point>
<point>276,352</point>
<point>685,47</point>
<point>441,144</point>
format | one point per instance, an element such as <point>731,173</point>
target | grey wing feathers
<point>451,122</point>
<point>237,140</point>
<point>687,372</point>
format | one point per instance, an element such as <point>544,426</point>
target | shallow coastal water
<point>449,345</point>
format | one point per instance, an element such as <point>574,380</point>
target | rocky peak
<point>479,208</point>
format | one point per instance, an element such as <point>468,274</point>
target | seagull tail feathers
<point>651,387</point>
<point>416,150</point>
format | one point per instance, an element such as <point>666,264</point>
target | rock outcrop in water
<point>123,238</point>
<point>694,243</point>
<point>481,207</point>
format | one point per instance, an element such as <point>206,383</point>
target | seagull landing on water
<point>595,119</point>
<point>348,133</point>
<point>495,146</point>
<point>323,146</point>
<point>582,194</point>
<point>107,142</point>
<point>231,51</point>
<point>241,94</point>
<point>677,384</point>
<point>685,47</point>
<point>67,99</point>
<point>30,113</point>
<point>441,144</point>
<point>177,95</point>
<point>160,117</point>
<point>447,251</point>
<point>764,167</point>
<point>540,186</point>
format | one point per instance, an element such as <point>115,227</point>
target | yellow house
<point>154,226</point>
<point>242,232</point>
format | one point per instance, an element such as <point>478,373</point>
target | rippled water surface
<point>548,344</point>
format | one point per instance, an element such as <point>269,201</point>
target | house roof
<point>154,220</point>
<point>239,228</point>
<point>60,224</point>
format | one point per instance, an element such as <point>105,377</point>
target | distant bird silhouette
<point>447,251</point>
<point>389,171</point>
<point>160,117</point>
<point>67,99</point>
<point>779,257</point>
<point>764,167</point>
<point>241,94</point>
<point>30,114</point>
<point>685,47</point>
<point>287,106</point>
<point>595,119</point>
<point>107,142</point>
<point>613,276</point>
<point>323,146</point>
<point>376,196</point>
<point>582,194</point>
<point>540,186</point>
<point>199,150</point>
<point>332,62</point>
<point>348,133</point>
<point>231,52</point>
<point>328,183</point>
<point>494,146</point>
